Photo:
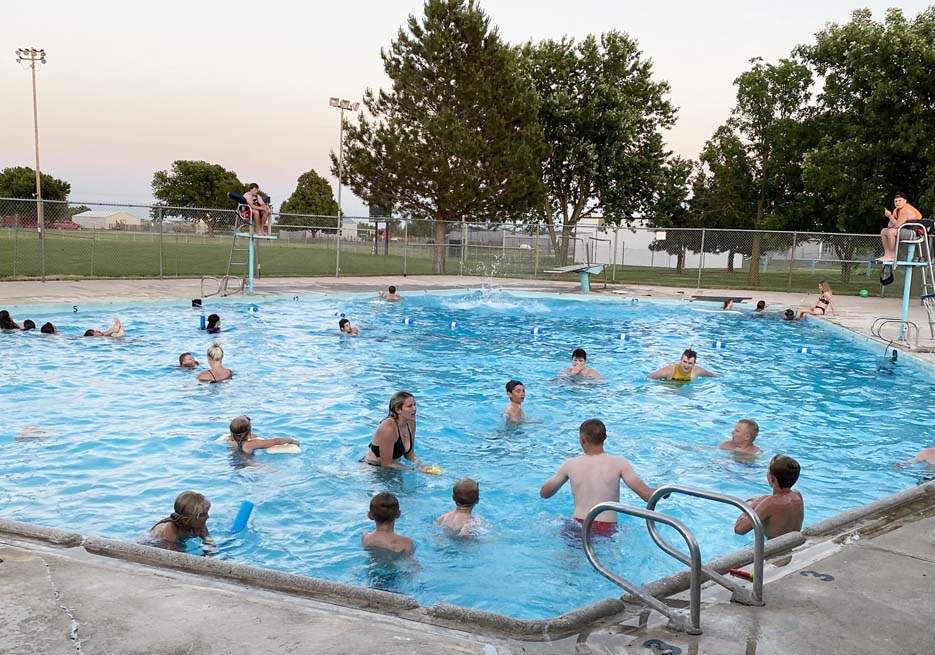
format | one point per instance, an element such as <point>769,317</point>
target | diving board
<point>583,271</point>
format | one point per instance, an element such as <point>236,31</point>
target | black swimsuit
<point>824,302</point>
<point>399,449</point>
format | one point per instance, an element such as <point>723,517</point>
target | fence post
<point>700,260</point>
<point>161,252</point>
<point>613,275</point>
<point>15,243</point>
<point>92,251</point>
<point>463,243</point>
<point>535,270</point>
<point>405,248</point>
<point>795,237</point>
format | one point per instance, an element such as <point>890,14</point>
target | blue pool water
<point>123,431</point>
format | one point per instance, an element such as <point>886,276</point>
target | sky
<point>131,87</point>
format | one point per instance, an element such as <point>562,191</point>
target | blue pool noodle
<point>202,321</point>
<point>243,515</point>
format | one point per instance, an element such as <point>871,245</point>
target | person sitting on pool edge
<point>216,372</point>
<point>595,478</point>
<point>241,435</point>
<point>926,455</point>
<point>459,521</point>
<point>741,438</point>
<point>516,392</point>
<point>384,510</point>
<point>345,326</point>
<point>782,511</point>
<point>579,366</point>
<point>391,296</point>
<point>683,371</point>
<point>822,304</point>
<point>116,330</point>
<point>189,520</point>
<point>187,360</point>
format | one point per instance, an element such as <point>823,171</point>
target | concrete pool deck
<point>866,591</point>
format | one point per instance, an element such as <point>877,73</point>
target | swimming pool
<point>124,431</point>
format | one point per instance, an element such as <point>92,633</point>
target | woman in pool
<point>214,324</point>
<point>215,372</point>
<point>395,438</point>
<point>189,520</point>
<point>245,441</point>
<point>7,322</point>
<point>822,304</point>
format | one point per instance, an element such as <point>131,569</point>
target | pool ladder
<point>690,624</point>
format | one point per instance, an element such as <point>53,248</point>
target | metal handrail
<point>740,593</point>
<point>877,326</point>
<point>216,280</point>
<point>677,619</point>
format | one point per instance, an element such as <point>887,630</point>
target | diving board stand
<point>244,221</point>
<point>583,271</point>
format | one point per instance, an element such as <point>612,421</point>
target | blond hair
<point>215,352</point>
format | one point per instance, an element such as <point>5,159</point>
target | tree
<point>314,199</point>
<point>602,115</point>
<point>457,135</point>
<point>20,182</point>
<point>197,185</point>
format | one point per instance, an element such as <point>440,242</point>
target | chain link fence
<point>95,240</point>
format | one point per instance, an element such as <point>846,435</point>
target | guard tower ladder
<point>239,260</point>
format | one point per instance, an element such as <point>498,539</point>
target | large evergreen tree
<point>456,136</point>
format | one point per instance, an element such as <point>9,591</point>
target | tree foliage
<point>197,185</point>
<point>457,135</point>
<point>20,182</point>
<point>602,116</point>
<point>314,199</point>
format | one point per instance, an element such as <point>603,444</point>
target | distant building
<point>107,220</point>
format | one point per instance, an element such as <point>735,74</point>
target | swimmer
<point>48,328</point>
<point>29,324</point>
<point>684,371</point>
<point>189,520</point>
<point>516,392</point>
<point>741,438</point>
<point>789,315</point>
<point>728,305</point>
<point>215,372</point>
<point>822,304</point>
<point>345,326</point>
<point>391,296</point>
<point>384,510</point>
<point>579,366</point>
<point>116,330</point>
<point>926,455</point>
<point>241,435</point>
<point>214,324</point>
<point>7,322</point>
<point>389,443</point>
<point>782,511</point>
<point>595,477</point>
<point>187,360</point>
<point>459,521</point>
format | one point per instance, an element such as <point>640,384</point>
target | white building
<point>106,219</point>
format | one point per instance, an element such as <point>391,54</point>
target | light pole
<point>352,106</point>
<point>34,56</point>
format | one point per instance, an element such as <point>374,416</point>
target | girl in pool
<point>245,441</point>
<point>822,304</point>
<point>395,437</point>
<point>214,324</point>
<point>215,372</point>
<point>7,322</point>
<point>189,520</point>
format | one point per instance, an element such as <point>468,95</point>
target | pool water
<point>101,434</point>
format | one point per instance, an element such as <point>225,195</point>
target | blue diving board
<point>583,271</point>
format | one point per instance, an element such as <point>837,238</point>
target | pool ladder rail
<point>223,288</point>
<point>740,593</point>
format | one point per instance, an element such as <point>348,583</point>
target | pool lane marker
<point>719,344</point>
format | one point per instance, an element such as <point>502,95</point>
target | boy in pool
<point>579,366</point>
<point>595,478</point>
<point>392,296</point>
<point>516,392</point>
<point>187,360</point>
<point>345,326</point>
<point>684,370</point>
<point>116,330</point>
<point>459,521</point>
<point>384,510</point>
<point>741,438</point>
<point>782,511</point>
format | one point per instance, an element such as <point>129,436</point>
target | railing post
<point>700,260</point>
<point>614,269</point>
<point>92,252</point>
<point>463,244</point>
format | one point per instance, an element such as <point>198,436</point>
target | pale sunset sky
<point>130,87</point>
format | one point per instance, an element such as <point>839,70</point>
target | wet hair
<point>751,426</point>
<point>213,321</point>
<point>89,333</point>
<point>396,402</point>
<point>188,506</point>
<point>392,289</point>
<point>760,305</point>
<point>825,287</point>
<point>691,354</point>
<point>465,492</point>
<point>579,353</point>
<point>594,431</point>
<point>47,328</point>
<point>384,507</point>
<point>29,324</point>
<point>6,321</point>
<point>342,323</point>
<point>785,470</point>
<point>182,358</point>
<point>254,185</point>
<point>512,384</point>
<point>727,303</point>
<point>240,429</point>
<point>789,314</point>
<point>215,352</point>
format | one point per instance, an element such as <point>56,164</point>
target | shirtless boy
<point>741,438</point>
<point>345,326</point>
<point>595,477</point>
<point>783,511</point>
<point>392,296</point>
<point>579,366</point>
<point>459,521</point>
<point>516,392</point>
<point>384,510</point>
